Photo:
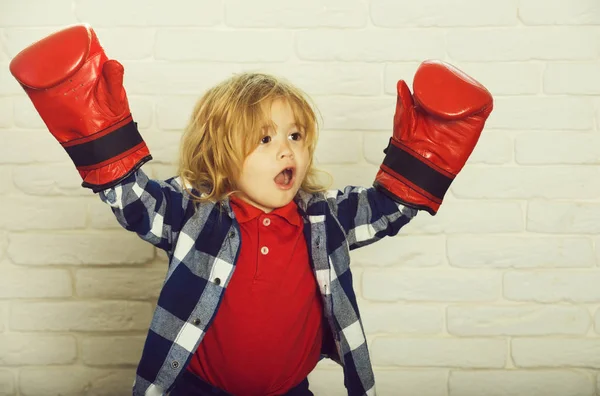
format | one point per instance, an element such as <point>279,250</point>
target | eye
<point>265,139</point>
<point>296,136</point>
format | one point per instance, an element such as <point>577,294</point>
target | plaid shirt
<point>203,242</point>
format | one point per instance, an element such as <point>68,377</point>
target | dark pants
<point>191,385</point>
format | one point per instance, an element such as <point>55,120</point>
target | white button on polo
<point>266,222</point>
<point>264,250</point>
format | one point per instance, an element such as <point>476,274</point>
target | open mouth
<point>285,178</point>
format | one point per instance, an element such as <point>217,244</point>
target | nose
<point>285,150</point>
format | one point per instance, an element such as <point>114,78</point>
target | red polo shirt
<point>266,336</point>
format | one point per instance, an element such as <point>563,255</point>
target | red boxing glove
<point>434,134</point>
<point>79,94</point>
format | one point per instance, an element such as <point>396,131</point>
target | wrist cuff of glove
<point>101,182</point>
<point>416,172</point>
<point>104,147</point>
<point>416,204</point>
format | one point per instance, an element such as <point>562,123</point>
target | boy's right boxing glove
<point>79,94</point>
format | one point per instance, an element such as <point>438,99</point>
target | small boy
<point>259,286</point>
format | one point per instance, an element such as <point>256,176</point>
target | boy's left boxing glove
<point>435,132</point>
<point>80,97</point>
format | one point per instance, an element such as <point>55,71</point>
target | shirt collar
<point>245,212</point>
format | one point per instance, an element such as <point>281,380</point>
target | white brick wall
<point>497,295</point>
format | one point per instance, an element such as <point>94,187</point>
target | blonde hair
<point>226,126</point>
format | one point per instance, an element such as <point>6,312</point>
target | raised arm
<point>79,94</point>
<point>435,132</point>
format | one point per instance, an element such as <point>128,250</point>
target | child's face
<point>274,171</point>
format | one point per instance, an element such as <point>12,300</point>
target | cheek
<point>253,168</point>
<point>303,157</point>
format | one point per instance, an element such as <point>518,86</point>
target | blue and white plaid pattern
<point>203,242</point>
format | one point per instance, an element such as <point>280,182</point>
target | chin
<point>281,200</point>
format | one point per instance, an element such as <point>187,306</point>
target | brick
<point>26,116</point>
<point>393,72</point>
<point>8,85</point>
<point>118,247</point>
<point>223,45</point>
<point>129,284</point>
<point>558,12</point>
<point>597,321</point>
<point>412,382</point>
<point>80,316</point>
<point>493,147</point>
<point>572,78</point>
<point>563,217</point>
<point>34,13</point>
<point>115,350</point>
<point>506,78</point>
<point>164,146</point>
<point>499,251</point>
<point>7,383</point>
<point>162,259</point>
<point>328,381</point>
<point>394,13</point>
<point>517,320</point>
<point>370,45</point>
<point>150,13</point>
<point>175,78</point>
<point>543,113</point>
<point>519,382</point>
<point>174,112</point>
<point>338,147</point>
<point>28,213</point>
<point>472,216</point>
<point>16,39</point>
<point>306,14</point>
<point>439,352</point>
<point>403,251</point>
<point>401,318</point>
<point>430,285</point>
<point>48,180</point>
<point>375,143</point>
<point>22,147</point>
<point>552,286</point>
<point>6,180</point>
<point>142,110</point>
<point>6,112</point>
<point>350,113</point>
<point>3,316</point>
<point>3,244</point>
<point>338,176</point>
<point>138,43</point>
<point>338,78</point>
<point>534,43</point>
<point>101,216</point>
<point>539,148</point>
<point>528,182</point>
<point>35,283</point>
<point>25,349</point>
<point>75,381</point>
<point>162,171</point>
<point>556,352</point>
<point>3,56</point>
